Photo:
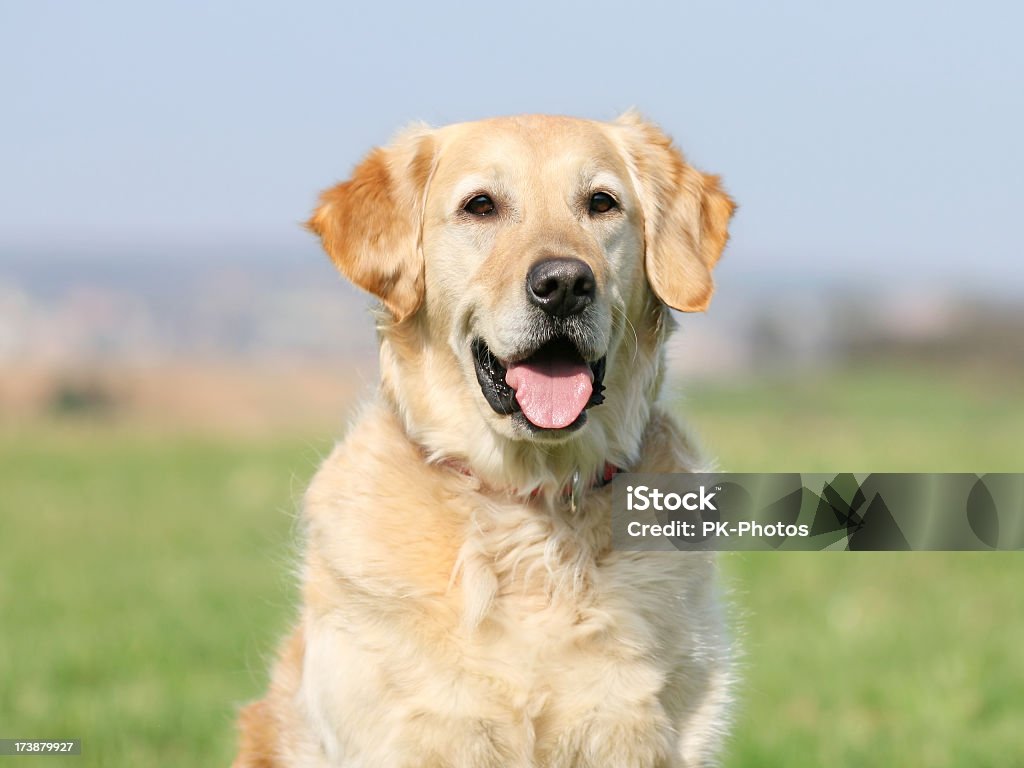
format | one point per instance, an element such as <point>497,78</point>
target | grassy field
<point>144,580</point>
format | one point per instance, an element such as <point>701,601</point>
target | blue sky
<point>872,141</point>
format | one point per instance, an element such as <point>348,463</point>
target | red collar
<point>571,490</point>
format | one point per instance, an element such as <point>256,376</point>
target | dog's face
<point>526,264</point>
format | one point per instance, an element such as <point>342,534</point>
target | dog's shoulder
<point>377,512</point>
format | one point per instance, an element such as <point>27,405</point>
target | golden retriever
<point>462,603</point>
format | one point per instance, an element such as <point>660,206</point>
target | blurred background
<point>177,354</point>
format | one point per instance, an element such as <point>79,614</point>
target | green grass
<point>879,659</point>
<point>144,583</point>
<point>888,420</point>
<point>874,659</point>
<point>145,580</point>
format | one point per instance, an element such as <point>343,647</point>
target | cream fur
<point>469,618</point>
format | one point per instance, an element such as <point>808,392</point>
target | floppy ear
<point>686,216</point>
<point>370,225</point>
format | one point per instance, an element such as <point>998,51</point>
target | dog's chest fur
<point>445,627</point>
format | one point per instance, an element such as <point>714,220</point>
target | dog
<point>462,605</point>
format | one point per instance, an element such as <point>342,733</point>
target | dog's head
<point>524,266</point>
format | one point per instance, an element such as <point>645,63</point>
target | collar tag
<point>575,492</point>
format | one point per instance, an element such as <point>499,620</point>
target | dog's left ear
<point>371,224</point>
<point>686,216</point>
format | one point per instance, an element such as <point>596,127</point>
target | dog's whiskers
<point>632,329</point>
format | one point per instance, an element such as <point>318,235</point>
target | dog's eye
<point>481,205</point>
<point>602,202</point>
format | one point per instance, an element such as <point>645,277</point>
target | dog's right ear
<point>371,224</point>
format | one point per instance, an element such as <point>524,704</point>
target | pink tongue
<point>552,394</point>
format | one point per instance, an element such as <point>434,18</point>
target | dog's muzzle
<point>553,384</point>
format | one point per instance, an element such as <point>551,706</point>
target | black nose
<point>561,287</point>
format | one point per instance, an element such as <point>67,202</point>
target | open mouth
<point>552,388</point>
